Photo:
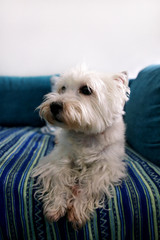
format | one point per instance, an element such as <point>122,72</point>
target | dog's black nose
<point>56,108</point>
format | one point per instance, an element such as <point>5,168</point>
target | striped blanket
<point>133,213</point>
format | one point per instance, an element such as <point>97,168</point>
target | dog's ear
<point>122,77</point>
<point>125,73</point>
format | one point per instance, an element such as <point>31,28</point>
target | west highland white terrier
<point>80,172</point>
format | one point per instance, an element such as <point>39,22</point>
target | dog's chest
<point>81,150</point>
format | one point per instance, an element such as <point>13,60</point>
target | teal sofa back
<point>19,97</point>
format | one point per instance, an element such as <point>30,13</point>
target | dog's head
<point>86,101</point>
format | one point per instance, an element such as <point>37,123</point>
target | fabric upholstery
<point>133,213</point>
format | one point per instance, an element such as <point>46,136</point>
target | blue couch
<point>134,211</point>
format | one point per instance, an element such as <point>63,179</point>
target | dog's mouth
<point>58,119</point>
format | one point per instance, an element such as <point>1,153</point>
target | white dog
<point>88,159</point>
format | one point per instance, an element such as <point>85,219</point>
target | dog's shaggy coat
<point>87,161</point>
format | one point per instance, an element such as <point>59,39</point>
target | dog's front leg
<point>88,196</point>
<point>54,201</point>
<point>54,181</point>
<point>77,207</point>
<point>82,205</point>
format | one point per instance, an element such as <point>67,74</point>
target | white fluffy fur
<point>88,159</point>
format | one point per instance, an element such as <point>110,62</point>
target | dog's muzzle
<point>56,109</point>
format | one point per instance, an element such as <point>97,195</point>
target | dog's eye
<point>62,89</point>
<point>86,90</point>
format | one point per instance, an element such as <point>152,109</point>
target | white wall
<point>48,36</point>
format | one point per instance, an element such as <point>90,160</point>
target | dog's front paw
<point>74,218</point>
<point>77,218</point>
<point>53,215</point>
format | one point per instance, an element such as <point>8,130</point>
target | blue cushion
<point>143,114</point>
<point>19,97</point>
